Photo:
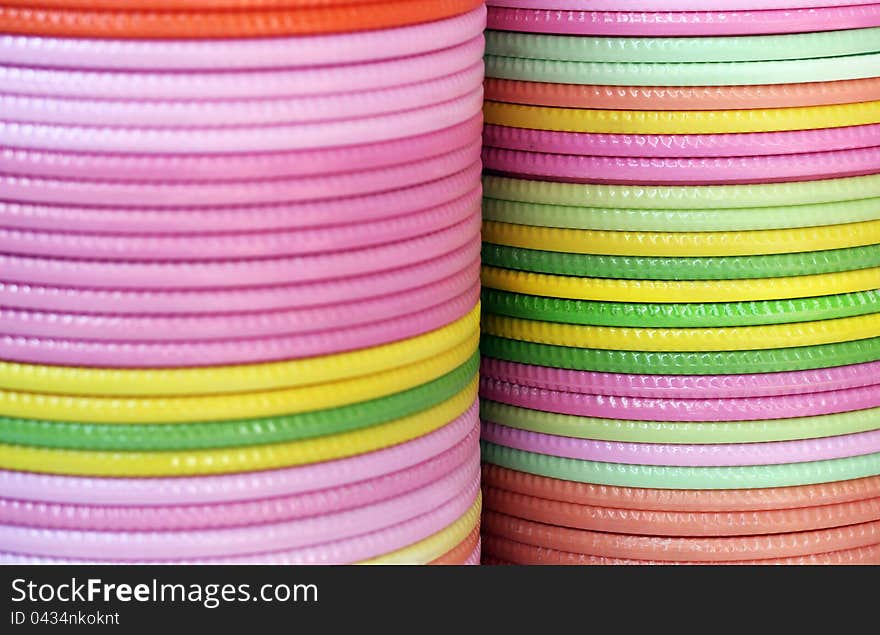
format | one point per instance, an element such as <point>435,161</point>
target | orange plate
<point>181,5</point>
<point>727,549</point>
<point>501,551</point>
<point>672,523</point>
<point>222,24</point>
<point>683,97</point>
<point>681,500</point>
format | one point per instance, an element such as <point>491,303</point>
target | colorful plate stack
<point>240,281</point>
<point>681,272</point>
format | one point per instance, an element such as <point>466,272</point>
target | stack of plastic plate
<point>681,272</point>
<point>240,281</point>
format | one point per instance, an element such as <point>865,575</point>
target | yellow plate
<point>736,338</point>
<point>67,380</point>
<point>235,460</point>
<point>683,244</point>
<point>680,121</point>
<point>610,290</point>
